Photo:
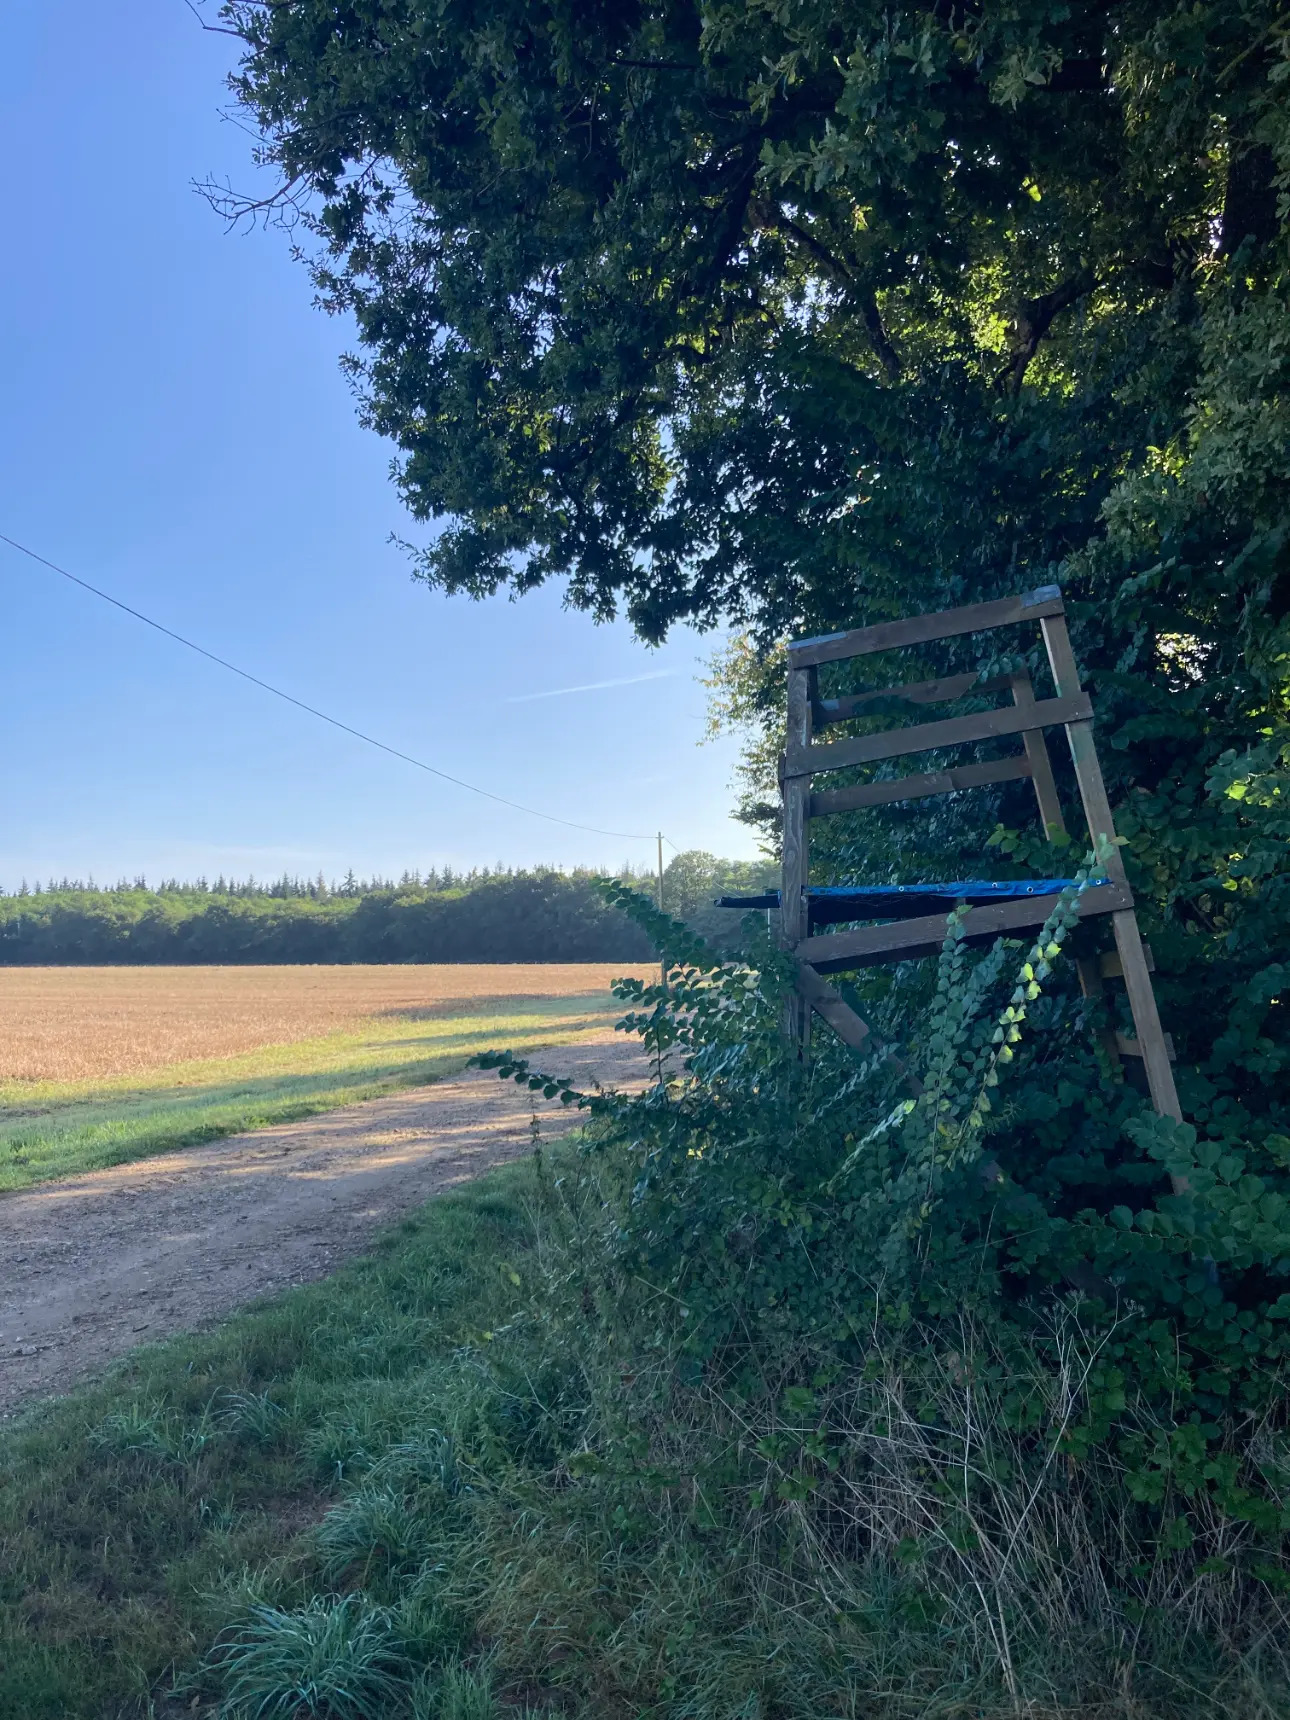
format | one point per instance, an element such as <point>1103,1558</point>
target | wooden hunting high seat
<point>911,917</point>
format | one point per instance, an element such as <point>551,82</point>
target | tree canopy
<point>803,316</point>
<point>775,313</point>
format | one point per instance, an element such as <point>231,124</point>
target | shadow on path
<point>96,1264</point>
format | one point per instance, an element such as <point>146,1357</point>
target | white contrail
<point>591,687</point>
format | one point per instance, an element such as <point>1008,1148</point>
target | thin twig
<point>212,29</point>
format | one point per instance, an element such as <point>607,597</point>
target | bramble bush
<point>811,1221</point>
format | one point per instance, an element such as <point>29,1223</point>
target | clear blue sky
<point>175,428</point>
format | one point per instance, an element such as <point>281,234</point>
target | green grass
<point>58,1129</point>
<point>455,1482</point>
<point>143,1516</point>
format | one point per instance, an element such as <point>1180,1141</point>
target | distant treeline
<point>317,889</point>
<point>483,916</point>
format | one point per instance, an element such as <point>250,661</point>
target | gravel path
<point>91,1266</point>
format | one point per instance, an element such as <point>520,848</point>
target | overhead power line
<point>290,699</point>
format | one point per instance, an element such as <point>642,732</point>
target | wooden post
<point>796,860</point>
<point>1128,939</point>
<point>1041,766</point>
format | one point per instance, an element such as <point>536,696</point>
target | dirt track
<point>91,1266</point>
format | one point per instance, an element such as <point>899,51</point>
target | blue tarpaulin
<point>830,905</point>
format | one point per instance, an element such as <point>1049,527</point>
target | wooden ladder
<point>806,758</point>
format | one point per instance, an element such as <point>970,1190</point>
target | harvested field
<point>98,1023</point>
<point>104,1066</point>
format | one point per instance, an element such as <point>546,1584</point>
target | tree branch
<point>1033,320</point>
<point>772,217</point>
<point>213,29</point>
<point>233,207</point>
<point>879,339</point>
<point>727,234</point>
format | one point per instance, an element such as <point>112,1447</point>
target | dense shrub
<point>816,1209</point>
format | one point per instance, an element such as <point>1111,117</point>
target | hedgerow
<point>813,1209</point>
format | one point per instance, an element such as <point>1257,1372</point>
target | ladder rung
<point>932,737</point>
<point>943,692</point>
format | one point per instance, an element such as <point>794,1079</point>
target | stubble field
<point>72,1024</point>
<point>102,1065</point>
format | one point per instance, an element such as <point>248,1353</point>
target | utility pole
<point>663,964</point>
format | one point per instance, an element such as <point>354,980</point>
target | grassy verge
<point>55,1129</point>
<point>454,1482</point>
<point>143,1515</point>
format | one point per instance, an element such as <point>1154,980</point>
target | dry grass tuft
<point>95,1023</point>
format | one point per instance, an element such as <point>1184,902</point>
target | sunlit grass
<point>191,1503</point>
<point>59,1128</point>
